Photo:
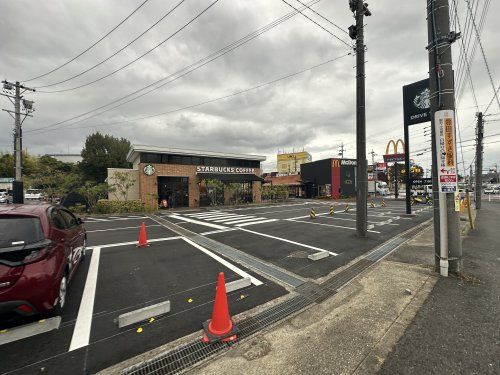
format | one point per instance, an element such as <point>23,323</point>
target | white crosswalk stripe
<point>228,218</point>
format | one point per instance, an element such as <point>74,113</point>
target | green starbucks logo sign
<point>149,170</point>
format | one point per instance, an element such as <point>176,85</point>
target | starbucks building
<point>167,177</point>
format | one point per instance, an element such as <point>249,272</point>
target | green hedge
<point>78,209</point>
<point>105,206</point>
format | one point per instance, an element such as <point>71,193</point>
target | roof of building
<point>291,180</point>
<point>135,150</point>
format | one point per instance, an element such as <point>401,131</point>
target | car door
<point>75,237</point>
<point>59,236</point>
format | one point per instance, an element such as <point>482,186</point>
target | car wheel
<point>61,297</point>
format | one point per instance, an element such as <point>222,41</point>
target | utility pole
<point>447,244</point>
<point>479,159</point>
<point>14,92</point>
<point>360,9</point>
<point>341,150</point>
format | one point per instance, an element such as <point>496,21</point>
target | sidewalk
<point>457,331</point>
<point>396,318</point>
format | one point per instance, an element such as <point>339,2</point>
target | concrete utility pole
<point>479,159</point>
<point>442,98</point>
<point>360,9</point>
<point>10,88</point>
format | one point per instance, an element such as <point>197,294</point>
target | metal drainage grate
<point>184,357</point>
<point>346,275</point>
<point>177,360</point>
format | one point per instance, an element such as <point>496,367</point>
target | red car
<point>41,247</point>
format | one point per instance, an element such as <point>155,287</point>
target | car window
<point>20,231</point>
<point>57,219</point>
<point>69,218</point>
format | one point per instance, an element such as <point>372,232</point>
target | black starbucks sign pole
<point>416,108</point>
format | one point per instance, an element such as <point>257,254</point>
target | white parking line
<point>385,222</point>
<point>286,240</point>
<point>238,221</point>
<point>189,220</point>
<point>236,217</point>
<point>211,214</point>
<point>218,231</point>
<point>133,242</point>
<point>81,333</point>
<point>95,219</point>
<point>224,262</point>
<point>223,218</point>
<point>107,230</point>
<point>256,222</point>
<point>332,225</point>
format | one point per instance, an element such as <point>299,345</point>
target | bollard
<point>331,210</point>
<point>346,207</point>
<point>312,215</point>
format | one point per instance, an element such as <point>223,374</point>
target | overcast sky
<point>314,110</point>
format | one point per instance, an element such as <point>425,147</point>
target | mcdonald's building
<point>329,178</point>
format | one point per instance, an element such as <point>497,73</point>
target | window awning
<point>228,177</point>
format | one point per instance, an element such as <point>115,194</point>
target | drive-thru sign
<point>446,149</point>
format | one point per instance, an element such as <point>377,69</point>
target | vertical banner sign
<point>446,149</point>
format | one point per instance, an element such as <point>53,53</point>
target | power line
<point>484,56</point>
<point>467,63</point>
<point>313,21</point>
<point>491,101</point>
<point>326,19</point>
<point>180,73</point>
<point>210,100</point>
<point>88,48</point>
<point>128,44</point>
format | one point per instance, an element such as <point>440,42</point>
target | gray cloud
<point>315,110</point>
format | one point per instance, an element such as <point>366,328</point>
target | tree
<point>6,165</point>
<point>92,193</point>
<point>53,183</point>
<point>121,182</point>
<point>102,152</point>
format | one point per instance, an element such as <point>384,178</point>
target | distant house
<point>67,158</point>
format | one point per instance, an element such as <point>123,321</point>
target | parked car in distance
<point>41,247</point>
<point>4,198</point>
<point>33,194</point>
<point>492,189</point>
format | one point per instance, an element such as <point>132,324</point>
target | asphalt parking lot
<point>117,277</point>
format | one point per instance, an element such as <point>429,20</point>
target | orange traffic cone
<point>220,327</point>
<point>143,241</point>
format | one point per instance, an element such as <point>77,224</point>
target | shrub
<point>78,209</point>
<point>105,206</point>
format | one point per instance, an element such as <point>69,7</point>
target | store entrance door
<point>173,192</point>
